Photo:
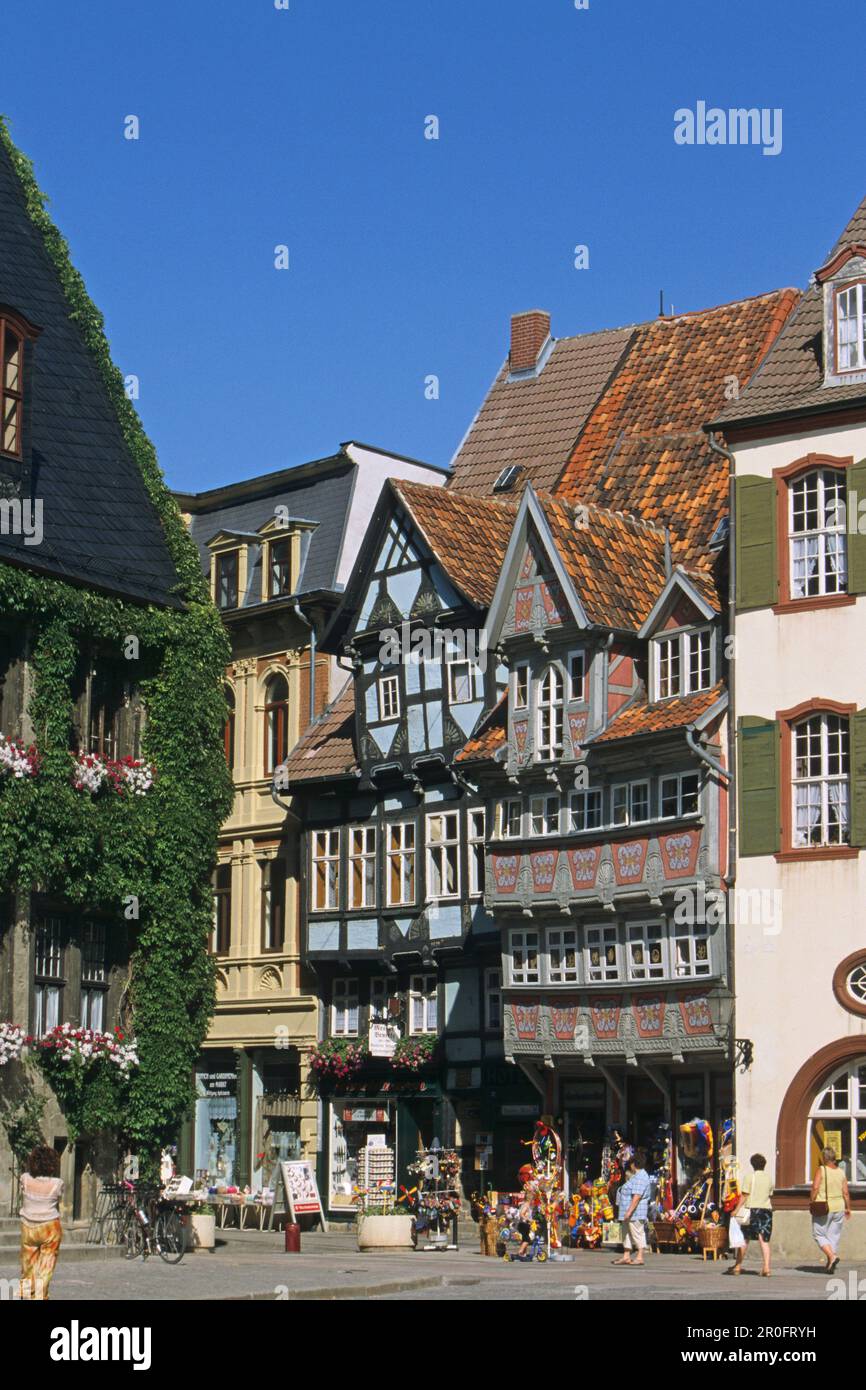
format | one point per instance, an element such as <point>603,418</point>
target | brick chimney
<point>529,333</point>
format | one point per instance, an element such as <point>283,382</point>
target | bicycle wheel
<point>134,1240</point>
<point>170,1236</point>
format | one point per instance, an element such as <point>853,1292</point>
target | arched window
<point>550,716</point>
<point>229,727</point>
<point>837,1121</point>
<point>821,778</point>
<point>11,388</point>
<point>816,533</point>
<point>276,722</point>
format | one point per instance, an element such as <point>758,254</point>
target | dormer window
<point>279,568</point>
<point>12,388</point>
<point>15,335</point>
<point>851,328</point>
<point>683,663</point>
<point>550,714</point>
<point>226,579</point>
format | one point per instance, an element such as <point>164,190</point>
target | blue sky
<point>305,127</point>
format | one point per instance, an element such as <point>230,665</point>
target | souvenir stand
<point>696,1220</point>
<point>434,1201</point>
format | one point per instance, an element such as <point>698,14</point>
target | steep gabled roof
<point>100,527</point>
<point>616,563</point>
<point>468,535</point>
<point>489,736</point>
<point>791,378</point>
<point>534,421</point>
<point>643,450</point>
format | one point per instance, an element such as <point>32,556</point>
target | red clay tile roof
<point>643,450</point>
<point>616,563</point>
<point>790,378</point>
<point>645,718</point>
<point>489,737</point>
<point>534,421</point>
<point>468,535</point>
<point>326,749</point>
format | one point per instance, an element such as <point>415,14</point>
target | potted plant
<point>203,1224</point>
<point>380,1226</point>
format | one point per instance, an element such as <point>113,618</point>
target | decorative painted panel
<point>662,1025</point>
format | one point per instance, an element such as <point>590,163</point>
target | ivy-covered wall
<point>106,851</point>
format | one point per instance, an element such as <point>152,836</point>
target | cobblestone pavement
<point>253,1265</point>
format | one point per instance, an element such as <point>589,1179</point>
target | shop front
<point>373,1131</point>
<point>245,1118</point>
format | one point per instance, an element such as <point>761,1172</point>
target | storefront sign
<point>383,1040</point>
<point>217,1083</point>
<point>301,1190</point>
<point>519,1111</point>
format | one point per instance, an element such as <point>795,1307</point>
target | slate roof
<point>646,718</point>
<point>790,378</point>
<point>468,535</point>
<point>326,750</point>
<point>616,562</point>
<point>643,450</point>
<point>320,492</point>
<point>99,525</point>
<point>534,421</point>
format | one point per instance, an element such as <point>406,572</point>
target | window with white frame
<point>326,870</point>
<point>493,1001</point>
<point>690,946</point>
<point>49,974</point>
<point>683,663</point>
<point>521,686</point>
<point>475,823</point>
<point>389,697</point>
<point>668,680</point>
<point>817,542</point>
<point>544,815</point>
<point>423,1013</point>
<point>645,951</point>
<point>380,997</point>
<point>562,961</point>
<point>362,866</point>
<point>698,664</point>
<point>400,866</point>
<point>678,795</point>
<point>821,780</point>
<point>629,803</point>
<point>344,1009</point>
<point>550,714</point>
<point>509,819</point>
<point>443,855</point>
<point>465,682</point>
<point>601,954</point>
<point>851,328</point>
<point>94,976</point>
<point>837,1120</point>
<point>577,676</point>
<point>584,809</point>
<point>523,957</point>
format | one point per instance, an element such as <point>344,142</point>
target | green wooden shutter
<point>856,481</point>
<point>758,741</point>
<point>757,579</point>
<point>858,777</point>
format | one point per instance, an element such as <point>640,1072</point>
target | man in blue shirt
<point>632,1203</point>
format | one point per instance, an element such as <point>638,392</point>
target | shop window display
<point>216,1125</point>
<point>356,1126</point>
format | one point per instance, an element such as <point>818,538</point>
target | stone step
<point>73,1253</point>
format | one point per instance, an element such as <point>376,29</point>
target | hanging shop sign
<point>383,1040</point>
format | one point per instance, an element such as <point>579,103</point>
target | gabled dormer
<point>229,565</point>
<point>684,638</point>
<point>843,282</point>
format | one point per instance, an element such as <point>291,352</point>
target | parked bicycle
<point>153,1226</point>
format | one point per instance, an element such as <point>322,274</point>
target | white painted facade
<point>813,912</point>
